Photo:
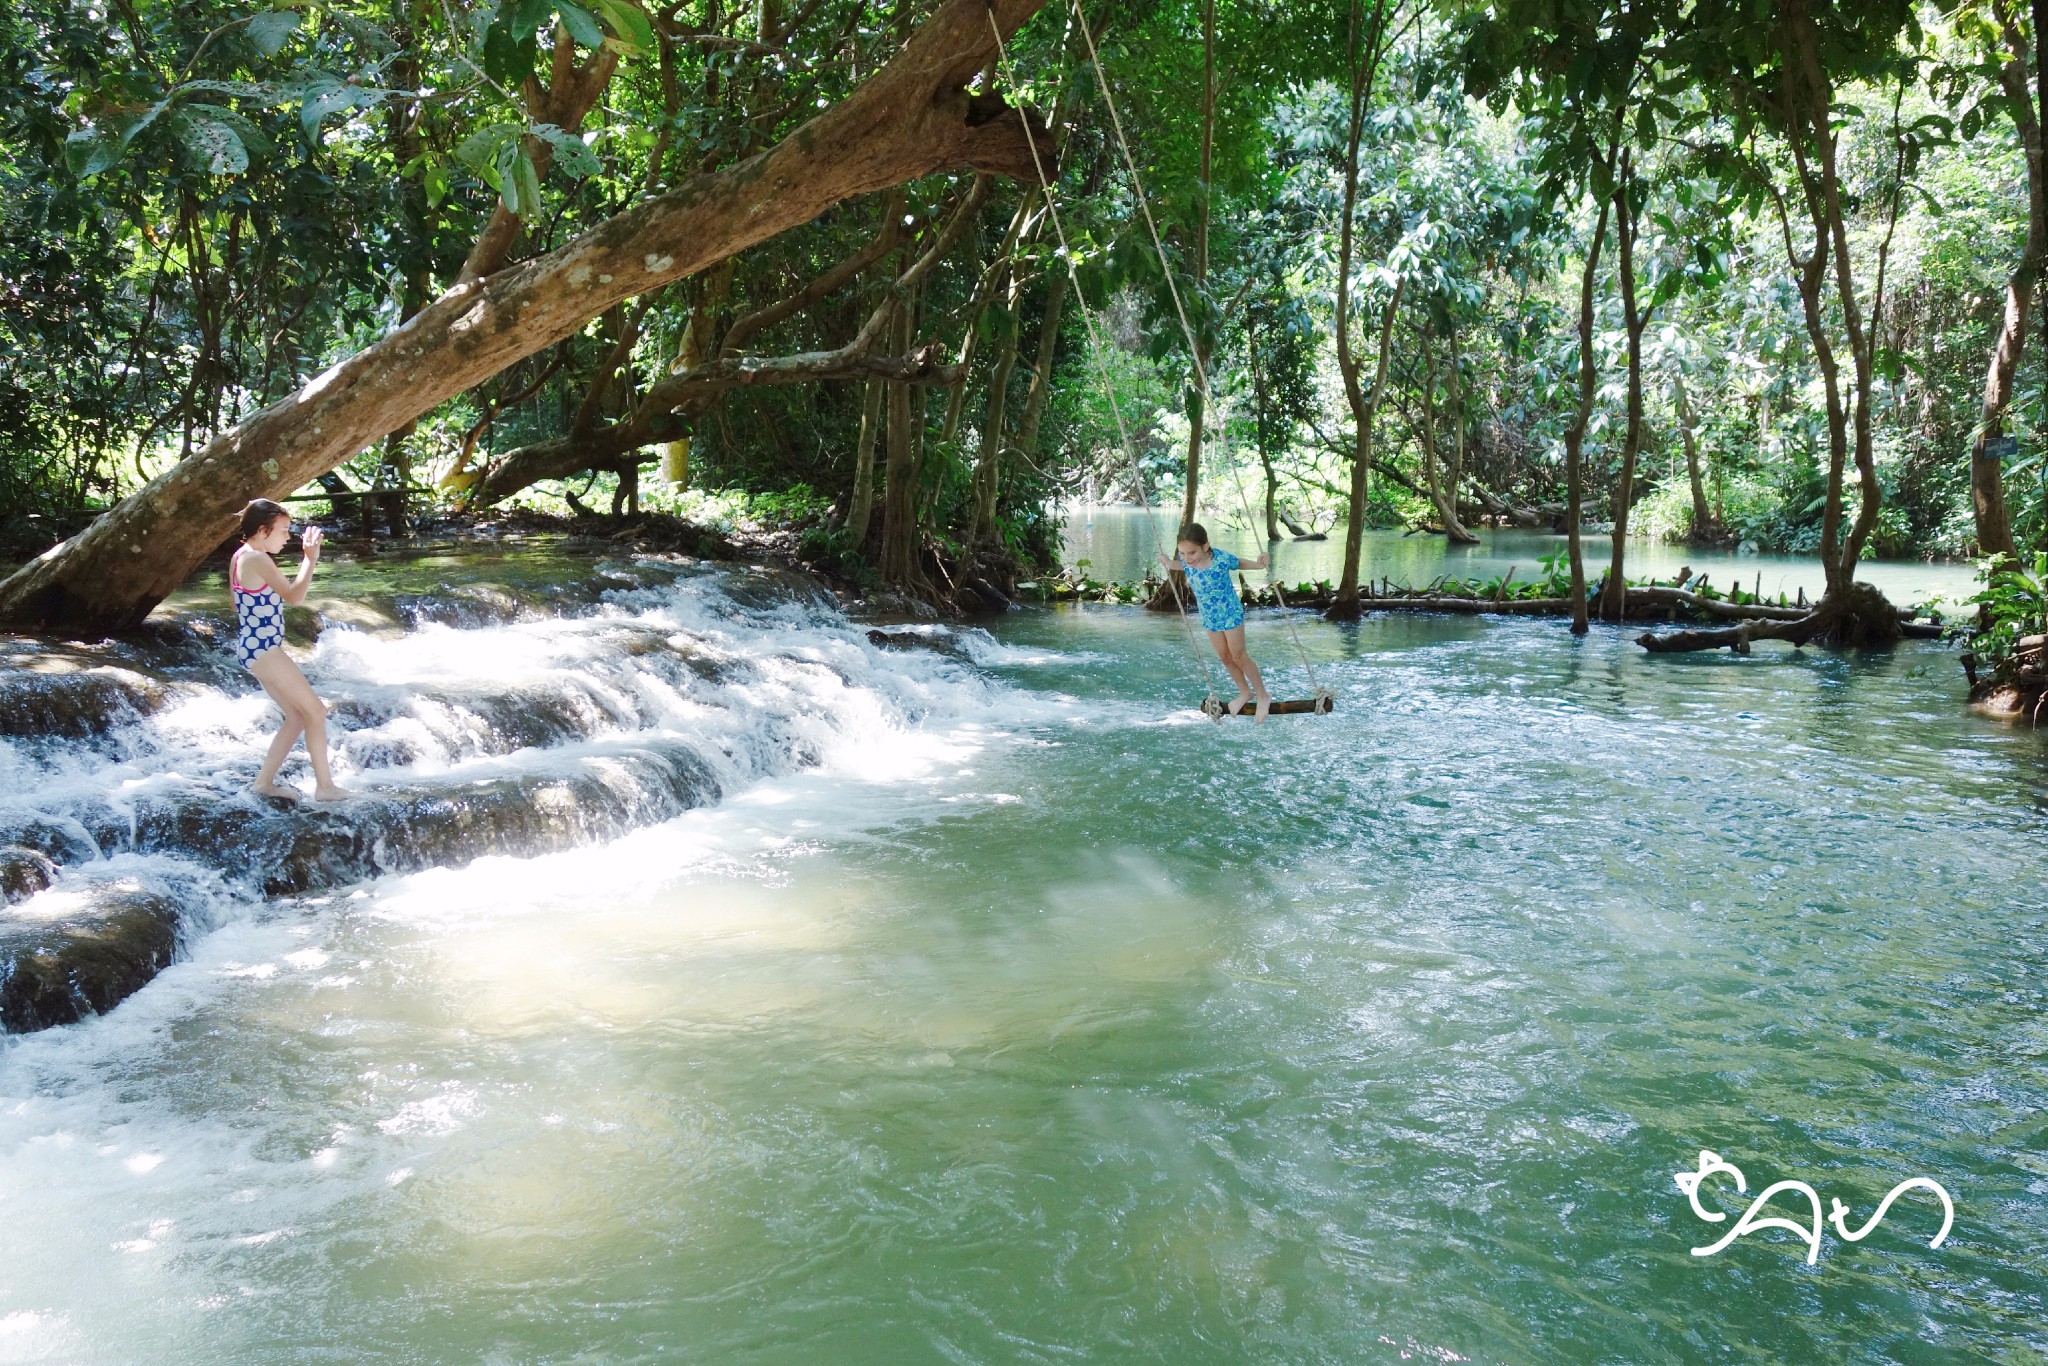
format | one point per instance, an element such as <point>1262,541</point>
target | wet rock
<point>55,696</point>
<point>23,873</point>
<point>767,587</point>
<point>64,842</point>
<point>945,643</point>
<point>284,849</point>
<point>65,955</point>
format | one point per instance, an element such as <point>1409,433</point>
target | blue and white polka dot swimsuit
<point>1215,594</point>
<point>259,616</point>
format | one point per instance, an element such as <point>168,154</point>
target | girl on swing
<point>1208,573</point>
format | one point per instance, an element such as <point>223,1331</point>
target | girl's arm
<point>265,568</point>
<point>1170,561</point>
<point>1260,563</point>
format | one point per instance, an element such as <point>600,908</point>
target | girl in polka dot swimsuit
<point>1208,573</point>
<point>260,593</point>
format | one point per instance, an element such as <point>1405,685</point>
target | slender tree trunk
<point>1442,476</point>
<point>1455,528</point>
<point>988,460</point>
<point>956,396</point>
<point>1042,363</point>
<point>901,541</point>
<point>1344,606</point>
<point>1703,516</point>
<point>1364,55</point>
<point>912,118</point>
<point>861,508</point>
<point>1251,336</point>
<point>1987,481</point>
<point>1189,502</point>
<point>1614,603</point>
<point>1575,433</point>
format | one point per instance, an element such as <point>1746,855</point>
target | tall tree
<point>914,116</point>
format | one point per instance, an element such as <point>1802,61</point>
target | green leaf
<point>251,136</point>
<point>436,178</point>
<point>632,30</point>
<point>89,151</point>
<point>269,32</point>
<point>582,25</point>
<point>520,183</point>
<point>571,153</point>
<point>210,143</point>
<point>324,97</point>
<point>511,41</point>
<point>484,151</point>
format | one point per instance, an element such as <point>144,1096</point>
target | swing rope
<point>1206,674</point>
<point>1187,329</point>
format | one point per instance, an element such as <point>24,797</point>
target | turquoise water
<point>1048,1022</point>
<point>1118,543</point>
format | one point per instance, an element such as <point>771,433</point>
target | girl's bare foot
<point>283,794</point>
<point>1265,707</point>
<point>1236,704</point>
<point>331,793</point>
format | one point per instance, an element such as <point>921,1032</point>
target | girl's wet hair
<point>259,514</point>
<point>1194,533</point>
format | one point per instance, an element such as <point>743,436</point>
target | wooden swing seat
<point>1300,706</point>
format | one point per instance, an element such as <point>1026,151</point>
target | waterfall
<point>476,721</point>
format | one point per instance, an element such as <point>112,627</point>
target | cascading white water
<point>513,733</point>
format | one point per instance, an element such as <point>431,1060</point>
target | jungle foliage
<point>1760,275</point>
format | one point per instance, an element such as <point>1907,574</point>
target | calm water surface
<point>1049,1023</point>
<point>1118,542</point>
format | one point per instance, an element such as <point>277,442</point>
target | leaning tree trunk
<point>912,118</point>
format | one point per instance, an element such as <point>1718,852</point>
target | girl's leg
<point>281,745</point>
<point>1249,672</point>
<point>283,681</point>
<point>1224,652</point>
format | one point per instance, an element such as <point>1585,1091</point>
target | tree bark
<point>900,543</point>
<point>861,509</point>
<point>914,117</point>
<point>1575,433</point>
<point>1364,57</point>
<point>1614,602</point>
<point>1442,476</point>
<point>1344,607</point>
<point>988,459</point>
<point>1189,502</point>
<point>1251,351</point>
<point>1987,481</point>
<point>1042,363</point>
<point>1703,519</point>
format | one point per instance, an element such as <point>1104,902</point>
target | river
<point>1117,542</point>
<point>999,1008</point>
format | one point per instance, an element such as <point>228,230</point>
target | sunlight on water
<point>1036,1019</point>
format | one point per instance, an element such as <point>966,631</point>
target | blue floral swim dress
<point>1215,594</point>
<point>259,616</point>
